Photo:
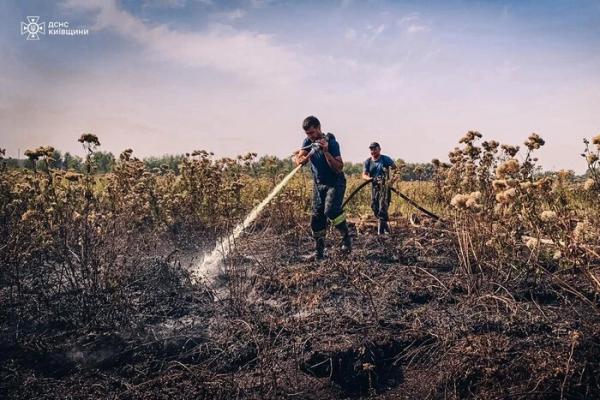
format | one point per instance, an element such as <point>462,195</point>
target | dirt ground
<point>396,319</point>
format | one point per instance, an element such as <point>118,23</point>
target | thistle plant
<point>512,221</point>
<point>592,157</point>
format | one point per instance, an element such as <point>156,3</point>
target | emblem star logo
<point>32,28</point>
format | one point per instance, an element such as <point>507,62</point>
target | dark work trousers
<point>380,200</point>
<point>327,204</point>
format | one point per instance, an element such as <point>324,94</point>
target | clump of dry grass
<point>520,221</point>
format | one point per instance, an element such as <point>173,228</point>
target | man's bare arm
<point>335,163</point>
<point>301,157</point>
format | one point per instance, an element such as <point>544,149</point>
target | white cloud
<point>415,28</point>
<point>234,14</point>
<point>407,19</point>
<point>373,32</point>
<point>248,55</point>
<point>367,36</point>
<point>413,23</point>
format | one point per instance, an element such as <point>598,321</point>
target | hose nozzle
<point>314,147</point>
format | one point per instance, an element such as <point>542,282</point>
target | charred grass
<point>395,319</point>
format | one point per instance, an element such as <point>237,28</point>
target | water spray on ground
<point>208,268</point>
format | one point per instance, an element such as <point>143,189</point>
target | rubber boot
<point>320,248</point>
<point>346,238</point>
<point>386,227</point>
<point>380,227</point>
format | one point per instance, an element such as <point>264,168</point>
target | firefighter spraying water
<point>329,185</point>
<point>210,264</point>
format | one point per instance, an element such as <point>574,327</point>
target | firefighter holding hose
<point>329,184</point>
<point>377,170</point>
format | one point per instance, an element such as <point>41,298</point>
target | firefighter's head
<point>375,150</point>
<point>312,127</point>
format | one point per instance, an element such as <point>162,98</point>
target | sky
<point>173,76</point>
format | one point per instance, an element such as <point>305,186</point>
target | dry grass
<point>498,300</point>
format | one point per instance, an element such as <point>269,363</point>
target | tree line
<point>263,166</point>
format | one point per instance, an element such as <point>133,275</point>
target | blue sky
<point>170,76</point>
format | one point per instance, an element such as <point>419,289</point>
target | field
<point>500,298</point>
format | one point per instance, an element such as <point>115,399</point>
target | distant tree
<point>415,171</point>
<point>57,159</point>
<point>271,166</point>
<point>351,168</point>
<point>104,161</point>
<point>72,162</point>
<point>13,162</point>
<point>170,160</point>
<point>28,164</point>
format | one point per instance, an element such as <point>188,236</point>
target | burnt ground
<point>395,319</point>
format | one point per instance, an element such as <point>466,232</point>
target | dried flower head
<point>590,184</point>
<point>491,145</point>
<point>42,151</point>
<point>596,141</point>
<point>543,184</point>
<point>472,151</point>
<point>525,185</point>
<point>455,155</point>
<point>33,155</point>
<point>89,138</point>
<point>506,196</point>
<point>584,231</point>
<point>201,153</point>
<point>532,243</point>
<point>576,337</point>
<point>72,176</point>
<point>508,167</point>
<point>499,185</point>
<point>472,203</point>
<point>548,216</point>
<point>534,141</point>
<point>28,215</point>
<point>470,136</point>
<point>511,151</point>
<point>475,195</point>
<point>125,155</point>
<point>592,158</point>
<point>23,188</point>
<point>466,201</point>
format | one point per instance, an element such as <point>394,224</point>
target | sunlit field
<point>497,297</point>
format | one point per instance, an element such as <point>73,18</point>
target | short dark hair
<point>311,122</point>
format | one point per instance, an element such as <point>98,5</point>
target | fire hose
<point>399,193</point>
<point>315,147</point>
